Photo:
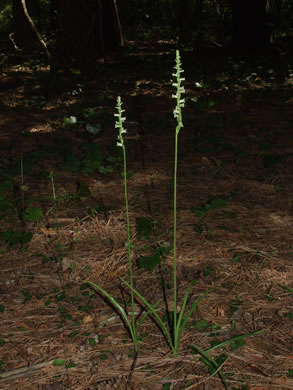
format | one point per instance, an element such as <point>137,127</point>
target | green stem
<point>178,115</point>
<point>174,245</point>
<point>53,187</point>
<point>128,247</point>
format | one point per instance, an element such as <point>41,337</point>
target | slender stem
<point>22,180</point>
<point>174,243</point>
<point>21,170</point>
<point>53,186</point>
<point>128,245</point>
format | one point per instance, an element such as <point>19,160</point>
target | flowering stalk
<point>173,336</point>
<point>178,116</point>
<point>179,91</point>
<point>120,142</point>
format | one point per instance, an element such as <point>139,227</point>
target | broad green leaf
<point>144,228</point>
<point>207,271</point>
<point>92,341</point>
<point>26,237</point>
<point>129,174</point>
<point>6,186</point>
<point>83,190</point>
<point>27,295</point>
<point>33,214</point>
<point>15,237</point>
<point>237,343</point>
<point>90,165</point>
<point>218,203</point>
<point>93,151</point>
<point>149,262</point>
<point>5,204</point>
<point>71,364</point>
<point>202,324</point>
<point>71,164</point>
<point>288,315</point>
<point>105,169</point>
<point>270,160</point>
<point>200,211</point>
<point>59,362</point>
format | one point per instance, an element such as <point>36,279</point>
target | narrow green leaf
<point>146,314</point>
<point>193,307</point>
<point>117,306</point>
<point>182,321</point>
<point>227,342</point>
<point>153,311</point>
<point>211,363</point>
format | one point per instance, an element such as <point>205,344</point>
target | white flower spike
<point>119,122</point>
<point>179,91</point>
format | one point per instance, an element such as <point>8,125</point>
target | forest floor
<point>63,222</point>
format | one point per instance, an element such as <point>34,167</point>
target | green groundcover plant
<point>173,333</point>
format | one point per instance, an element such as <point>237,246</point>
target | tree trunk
<point>249,24</point>
<point>111,24</point>
<point>24,35</point>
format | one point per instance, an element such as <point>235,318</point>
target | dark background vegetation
<point>78,33</point>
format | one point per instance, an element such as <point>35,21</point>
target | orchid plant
<point>174,333</point>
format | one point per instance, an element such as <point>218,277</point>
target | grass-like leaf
<point>117,306</point>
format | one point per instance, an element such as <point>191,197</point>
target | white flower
<point>175,112</point>
<point>179,91</point>
<point>119,122</point>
